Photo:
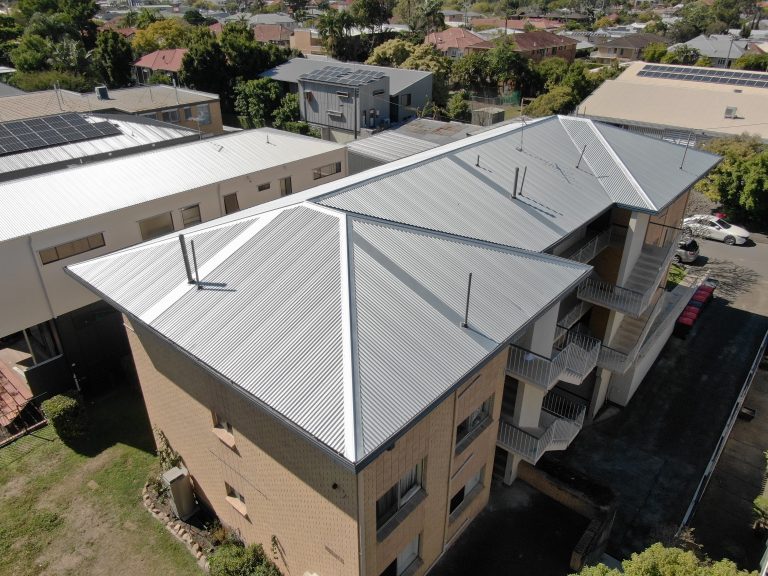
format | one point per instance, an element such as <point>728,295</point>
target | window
<point>231,204</point>
<point>341,94</point>
<point>156,226</point>
<point>335,114</point>
<point>171,116</point>
<point>474,421</point>
<point>466,490</point>
<point>397,496</point>
<point>265,186</point>
<point>405,558</point>
<point>191,215</point>
<point>188,113</point>
<point>405,99</point>
<point>152,115</point>
<point>236,499</point>
<point>285,186</point>
<point>327,170</point>
<point>223,430</point>
<point>203,114</point>
<point>48,255</point>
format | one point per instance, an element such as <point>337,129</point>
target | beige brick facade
<point>294,490</point>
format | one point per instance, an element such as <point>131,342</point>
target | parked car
<point>714,228</point>
<point>687,251</point>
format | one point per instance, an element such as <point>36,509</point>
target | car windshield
<point>722,223</point>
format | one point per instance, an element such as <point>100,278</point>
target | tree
<point>80,14</point>
<point>559,100</point>
<point>31,54</point>
<point>740,181</point>
<point>43,80</point>
<point>681,54</point>
<point>658,560</point>
<point>458,107</point>
<point>68,55</point>
<point>246,57</point>
<point>391,53</point>
<point>506,65</point>
<point>372,14</point>
<point>53,27</point>
<point>335,28</point>
<point>422,16</point>
<point>146,17</point>
<point>194,18</point>
<point>426,57</point>
<point>204,66</point>
<point>551,72</point>
<point>112,59</point>
<point>287,111</point>
<point>654,52</point>
<point>161,35</point>
<point>10,31</point>
<point>471,71</point>
<point>703,61</point>
<point>758,62</point>
<point>256,100</point>
<point>26,8</point>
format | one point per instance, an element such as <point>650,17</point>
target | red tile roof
<point>165,60</point>
<point>538,39</point>
<point>458,38</point>
<point>215,28</point>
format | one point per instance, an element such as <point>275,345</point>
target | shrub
<point>66,414</point>
<point>760,508</point>
<point>233,559</point>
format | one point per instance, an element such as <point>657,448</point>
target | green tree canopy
<point>246,57</point>
<point>661,561</point>
<point>458,107</point>
<point>204,66</point>
<point>391,53</point>
<point>372,14</point>
<point>335,28</point>
<point>162,35</point>
<point>758,62</point>
<point>256,100</point>
<point>31,54</point>
<point>681,54</point>
<point>654,52</point>
<point>426,57</point>
<point>112,59</point>
<point>559,100</point>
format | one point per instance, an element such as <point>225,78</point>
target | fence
<point>26,418</point>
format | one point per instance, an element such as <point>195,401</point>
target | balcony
<point>574,358</point>
<point>588,250</point>
<point>560,421</point>
<point>634,297</point>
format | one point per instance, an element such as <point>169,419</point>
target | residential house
<point>684,104</point>
<point>276,34</point>
<point>459,17</point>
<point>721,49</point>
<point>354,361</point>
<point>405,92</point>
<point>625,48</point>
<point>517,24</point>
<point>452,42</point>
<point>308,42</point>
<point>536,45</point>
<point>67,216</point>
<point>166,62</point>
<point>181,106</point>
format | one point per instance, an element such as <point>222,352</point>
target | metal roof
<point>343,75</point>
<point>65,196</point>
<point>134,133</point>
<point>348,327</point>
<point>399,78</point>
<point>389,145</point>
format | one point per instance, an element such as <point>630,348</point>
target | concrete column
<point>544,332</point>
<point>510,470</point>
<point>638,225</point>
<point>528,405</point>
<point>600,392</point>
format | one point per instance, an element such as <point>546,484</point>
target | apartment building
<point>58,218</point>
<point>345,367</point>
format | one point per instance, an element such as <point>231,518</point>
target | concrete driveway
<point>653,452</point>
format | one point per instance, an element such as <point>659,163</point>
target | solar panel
<point>36,133</point>
<point>709,75</point>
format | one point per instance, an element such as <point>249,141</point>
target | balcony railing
<point>592,248</point>
<point>574,314</point>
<point>576,358</point>
<point>559,423</point>
<point>625,300</point>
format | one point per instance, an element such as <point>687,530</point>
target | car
<point>687,251</point>
<point>714,228</point>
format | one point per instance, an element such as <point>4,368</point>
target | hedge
<point>66,414</point>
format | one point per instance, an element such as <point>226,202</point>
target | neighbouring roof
<point>679,103</point>
<point>271,33</point>
<point>134,134</point>
<point>717,46</point>
<point>7,90</point>
<point>635,41</point>
<point>129,100</point>
<point>388,146</point>
<point>537,39</point>
<point>57,198</point>
<point>399,79</point>
<point>458,38</point>
<point>329,319</point>
<point>164,60</point>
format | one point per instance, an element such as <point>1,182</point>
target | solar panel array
<point>341,75</point>
<point>709,75</point>
<point>35,133</point>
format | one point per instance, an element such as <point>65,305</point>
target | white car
<point>714,228</point>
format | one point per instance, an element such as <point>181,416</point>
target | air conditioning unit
<point>102,93</point>
<point>182,497</point>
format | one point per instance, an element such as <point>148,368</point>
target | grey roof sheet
<point>389,145</point>
<point>330,319</point>
<point>45,201</point>
<point>291,71</point>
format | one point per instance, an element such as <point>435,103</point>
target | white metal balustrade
<point>629,301</point>
<point>575,359</point>
<point>560,421</point>
<point>592,248</point>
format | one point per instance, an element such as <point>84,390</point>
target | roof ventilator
<point>466,309</point>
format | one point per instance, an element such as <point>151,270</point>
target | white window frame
<point>72,248</point>
<point>327,169</point>
<point>403,493</point>
<point>172,113</point>
<point>157,235</point>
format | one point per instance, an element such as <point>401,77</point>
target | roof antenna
<point>267,138</point>
<point>686,149</point>
<point>186,259</point>
<point>466,310</point>
<point>477,163</point>
<point>581,155</point>
<point>194,261</point>
<point>514,189</point>
<point>522,129</point>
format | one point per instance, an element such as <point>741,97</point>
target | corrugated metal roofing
<point>49,200</point>
<point>389,145</point>
<point>274,317</point>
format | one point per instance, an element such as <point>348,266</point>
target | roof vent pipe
<point>186,259</point>
<point>466,309</point>
<point>522,182</point>
<point>514,188</point>
<point>194,261</point>
<point>477,163</point>
<point>581,155</point>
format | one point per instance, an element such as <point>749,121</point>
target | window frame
<point>286,186</point>
<point>264,186</point>
<point>203,114</point>
<point>193,222</point>
<point>327,170</point>
<point>91,243</point>
<point>236,499</point>
<point>171,112</point>
<point>400,496</point>
<point>158,235</point>
<point>475,422</point>
<point>237,203</point>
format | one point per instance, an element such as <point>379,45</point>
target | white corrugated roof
<point>57,198</point>
<point>329,319</point>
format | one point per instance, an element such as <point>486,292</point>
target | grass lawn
<point>65,511</point>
